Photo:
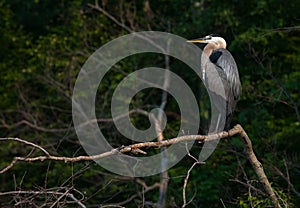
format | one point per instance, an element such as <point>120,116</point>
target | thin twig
<point>287,178</point>
<point>34,126</point>
<point>44,192</point>
<point>187,177</point>
<point>122,25</point>
<point>248,185</point>
<point>103,11</point>
<point>28,143</point>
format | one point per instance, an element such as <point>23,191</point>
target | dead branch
<point>146,189</point>
<point>28,143</point>
<point>101,10</point>
<point>125,149</point>
<point>257,166</point>
<point>248,185</point>
<point>122,25</point>
<point>164,177</point>
<point>34,126</point>
<point>237,130</point>
<point>187,177</point>
<point>286,178</point>
<point>61,194</point>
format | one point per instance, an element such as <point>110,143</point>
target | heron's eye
<point>208,37</point>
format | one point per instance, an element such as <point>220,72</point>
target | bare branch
<point>34,126</point>
<point>146,189</point>
<point>40,128</point>
<point>187,177</point>
<point>122,25</point>
<point>185,183</point>
<point>125,149</point>
<point>145,186</point>
<point>28,143</point>
<point>70,195</point>
<point>133,111</point>
<point>257,166</point>
<point>283,29</point>
<point>286,178</point>
<point>248,185</point>
<point>164,177</point>
<point>103,11</point>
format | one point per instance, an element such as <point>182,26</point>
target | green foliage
<point>258,201</point>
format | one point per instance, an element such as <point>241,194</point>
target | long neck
<point>207,51</point>
<point>209,48</point>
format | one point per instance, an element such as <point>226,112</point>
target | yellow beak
<point>196,41</point>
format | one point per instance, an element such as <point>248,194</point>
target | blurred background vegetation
<point>43,47</point>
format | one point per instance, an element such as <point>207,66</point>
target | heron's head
<point>213,38</point>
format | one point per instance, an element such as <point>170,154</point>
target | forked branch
<point>136,148</point>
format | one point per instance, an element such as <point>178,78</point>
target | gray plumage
<point>227,69</point>
<point>224,87</point>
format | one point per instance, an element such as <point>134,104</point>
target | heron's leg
<point>218,124</point>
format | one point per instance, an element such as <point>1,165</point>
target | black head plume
<point>214,35</point>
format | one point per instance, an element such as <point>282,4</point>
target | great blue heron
<point>215,56</point>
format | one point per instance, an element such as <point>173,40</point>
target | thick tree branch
<point>124,149</point>
<point>257,166</point>
<point>237,130</point>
